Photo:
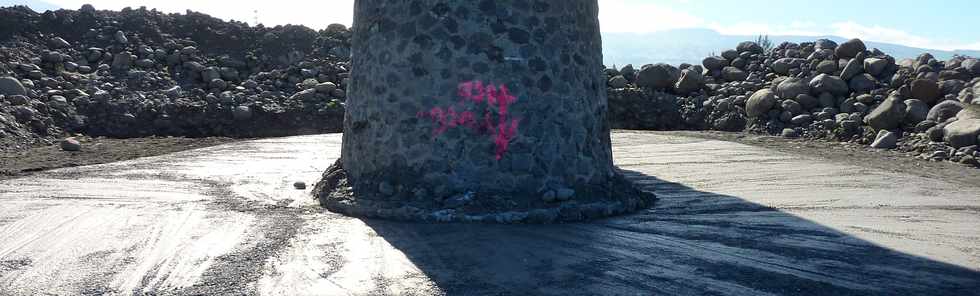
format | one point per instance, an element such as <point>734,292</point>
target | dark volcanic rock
<point>916,111</point>
<point>853,67</point>
<point>139,72</point>
<point>827,67</point>
<point>731,74</point>
<point>925,90</point>
<point>10,86</point>
<point>850,48</point>
<point>875,66</point>
<point>944,110</point>
<point>730,54</point>
<point>824,83</point>
<point>885,140</point>
<point>760,103</point>
<point>862,83</point>
<point>964,131</point>
<point>71,144</point>
<point>715,63</point>
<point>825,44</point>
<point>784,65</point>
<point>658,76</point>
<point>889,115</point>
<point>690,81</point>
<point>191,74</point>
<point>792,88</point>
<point>749,46</point>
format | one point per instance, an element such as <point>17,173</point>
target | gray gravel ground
<point>733,219</point>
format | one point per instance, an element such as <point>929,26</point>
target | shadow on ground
<point>691,243</point>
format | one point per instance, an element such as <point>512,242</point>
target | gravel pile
<point>814,90</point>
<point>139,72</point>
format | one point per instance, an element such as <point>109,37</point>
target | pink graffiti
<point>449,118</point>
<point>504,135</point>
<point>473,93</point>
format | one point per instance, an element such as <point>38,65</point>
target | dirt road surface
<point>95,151</point>
<point>733,219</point>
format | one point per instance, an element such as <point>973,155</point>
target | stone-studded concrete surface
<point>732,220</point>
<point>491,97</point>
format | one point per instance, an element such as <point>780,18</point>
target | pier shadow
<point>691,243</point>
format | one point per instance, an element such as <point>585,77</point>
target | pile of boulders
<point>708,97</point>
<point>820,89</point>
<point>139,72</point>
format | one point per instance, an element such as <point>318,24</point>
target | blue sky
<point>944,24</point>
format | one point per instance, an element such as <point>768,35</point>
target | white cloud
<point>890,35</point>
<point>632,16</point>
<point>848,29</point>
<point>878,33</point>
<point>749,28</point>
<point>974,46</point>
<point>315,14</point>
<point>615,16</point>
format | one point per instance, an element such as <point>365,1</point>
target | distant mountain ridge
<point>672,46</point>
<point>693,45</point>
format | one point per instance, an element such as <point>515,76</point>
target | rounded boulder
<point>760,103</point>
<point>916,111</point>
<point>850,48</point>
<point>926,90</point>
<point>658,76</point>
<point>792,88</point>
<point>827,67</point>
<point>10,86</point>
<point>732,74</point>
<point>824,83</point>
<point>784,65</point>
<point>690,81</point>
<point>971,65</point>
<point>963,132</point>
<point>749,46</point>
<point>889,115</point>
<point>70,144</point>
<point>875,66</point>
<point>944,111</point>
<point>715,63</point>
<point>862,83</point>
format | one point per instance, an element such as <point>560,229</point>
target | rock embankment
<point>843,92</point>
<point>139,72</point>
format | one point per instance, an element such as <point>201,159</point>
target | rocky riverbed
<point>140,73</point>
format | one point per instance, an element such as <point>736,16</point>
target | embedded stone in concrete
<point>465,97</point>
